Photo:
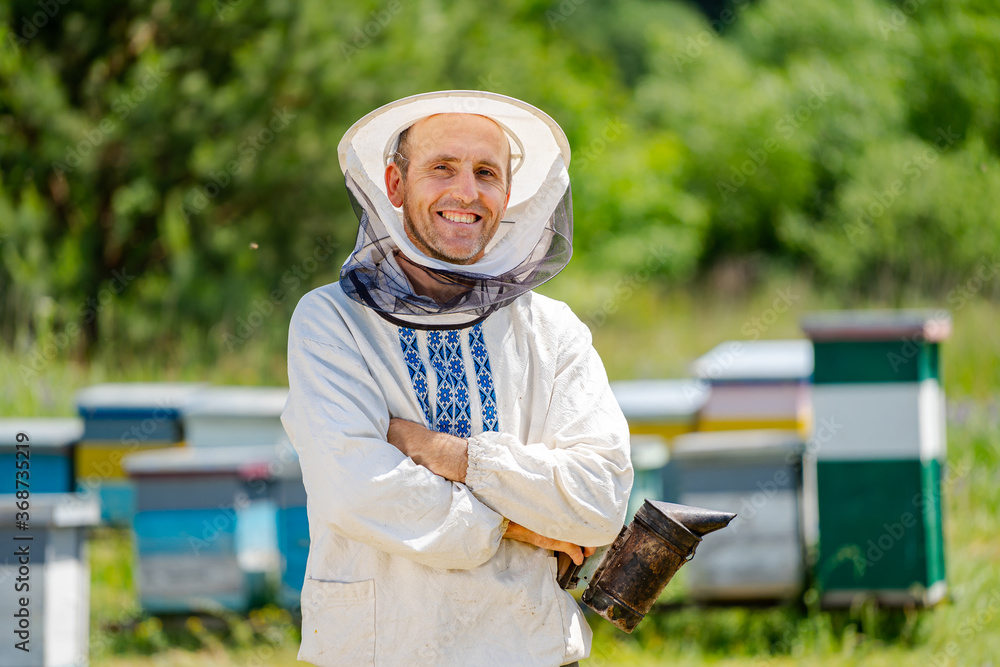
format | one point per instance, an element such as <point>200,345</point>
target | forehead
<point>458,134</point>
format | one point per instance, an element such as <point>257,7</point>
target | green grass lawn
<point>641,332</point>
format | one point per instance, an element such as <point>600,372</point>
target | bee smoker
<point>626,578</point>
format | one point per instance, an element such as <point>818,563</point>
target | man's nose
<point>465,187</point>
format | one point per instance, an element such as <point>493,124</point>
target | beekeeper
<point>454,428</point>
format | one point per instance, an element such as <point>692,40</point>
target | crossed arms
<point>448,456</point>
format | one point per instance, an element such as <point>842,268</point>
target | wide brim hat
<point>533,241</point>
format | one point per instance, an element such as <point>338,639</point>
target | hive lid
<point>42,432</point>
<point>251,462</point>
<point>737,445</point>
<point>756,361</point>
<point>124,399</point>
<point>932,326</point>
<point>236,402</point>
<point>660,400</point>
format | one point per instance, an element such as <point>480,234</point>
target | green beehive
<point>879,447</point>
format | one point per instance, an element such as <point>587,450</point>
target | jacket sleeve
<point>574,484</point>
<point>358,483</point>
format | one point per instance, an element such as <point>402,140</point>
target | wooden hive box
<point>234,416</point>
<point>204,525</point>
<point>758,475</point>
<point>880,455</point>
<point>55,578</point>
<point>756,385</point>
<point>120,419</point>
<point>53,444</point>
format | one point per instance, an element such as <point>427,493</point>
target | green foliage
<point>168,170</point>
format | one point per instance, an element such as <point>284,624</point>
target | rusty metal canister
<point>645,556</point>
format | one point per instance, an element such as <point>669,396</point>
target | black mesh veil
<point>372,275</point>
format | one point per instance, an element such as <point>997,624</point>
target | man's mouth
<point>463,217</point>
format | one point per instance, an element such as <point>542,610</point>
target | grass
<point>641,331</point>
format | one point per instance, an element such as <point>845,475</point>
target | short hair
<point>402,154</point>
<point>403,150</point>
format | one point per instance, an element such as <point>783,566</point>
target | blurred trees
<point>168,170</point>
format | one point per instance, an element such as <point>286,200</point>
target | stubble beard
<point>431,248</point>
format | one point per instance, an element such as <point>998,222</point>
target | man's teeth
<point>459,217</point>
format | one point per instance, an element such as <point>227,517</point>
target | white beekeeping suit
<point>406,567</point>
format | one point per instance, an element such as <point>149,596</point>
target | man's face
<point>455,190</point>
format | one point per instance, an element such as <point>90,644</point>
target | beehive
<point>757,475</point>
<point>121,419</point>
<point>880,450</point>
<point>205,532</point>
<point>756,385</point>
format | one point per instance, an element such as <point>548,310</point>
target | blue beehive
<point>293,529</point>
<point>205,532</point>
<point>120,419</point>
<point>52,442</point>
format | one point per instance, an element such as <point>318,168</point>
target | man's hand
<point>518,532</point>
<point>442,454</point>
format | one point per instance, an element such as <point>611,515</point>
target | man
<point>453,428</point>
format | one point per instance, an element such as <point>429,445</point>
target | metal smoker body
<point>634,570</point>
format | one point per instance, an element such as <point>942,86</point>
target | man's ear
<point>394,184</point>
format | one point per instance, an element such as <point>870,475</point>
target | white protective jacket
<point>406,567</point>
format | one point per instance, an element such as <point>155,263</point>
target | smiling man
<point>456,187</point>
<point>454,428</point>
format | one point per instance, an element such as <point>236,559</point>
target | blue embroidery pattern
<point>484,378</point>
<point>453,413</point>
<point>418,375</point>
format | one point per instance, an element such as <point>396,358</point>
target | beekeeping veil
<point>531,245</point>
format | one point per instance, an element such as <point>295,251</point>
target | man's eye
<point>486,173</point>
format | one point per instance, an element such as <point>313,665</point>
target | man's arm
<point>366,489</point>
<point>447,455</point>
<point>574,486</point>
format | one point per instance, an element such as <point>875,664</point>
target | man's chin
<point>462,259</point>
<point>462,251</point>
